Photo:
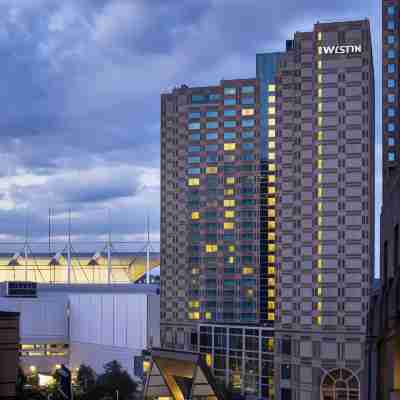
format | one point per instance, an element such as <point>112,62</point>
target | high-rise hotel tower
<point>385,317</point>
<point>267,208</point>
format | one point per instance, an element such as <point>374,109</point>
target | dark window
<point>193,338</point>
<point>285,371</point>
<point>385,261</point>
<point>286,346</point>
<point>286,394</point>
<point>396,247</point>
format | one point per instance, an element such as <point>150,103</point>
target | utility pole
<point>148,251</point>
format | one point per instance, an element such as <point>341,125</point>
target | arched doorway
<point>340,384</point>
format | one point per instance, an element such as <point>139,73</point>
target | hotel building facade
<point>267,197</point>
<point>385,318</point>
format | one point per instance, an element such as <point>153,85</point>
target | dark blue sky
<point>80,93</point>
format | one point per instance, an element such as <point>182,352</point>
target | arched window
<point>340,384</point>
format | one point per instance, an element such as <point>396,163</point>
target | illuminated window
<point>320,164</point>
<point>319,306</point>
<point>319,320</point>
<point>320,263</point>
<point>229,225</point>
<point>249,292</point>
<point>271,201</point>
<point>271,88</point>
<point>231,260</point>
<point>271,305</point>
<point>271,282</point>
<point>319,292</point>
<point>320,149</point>
<point>271,167</point>
<point>247,112</point>
<point>271,316</point>
<point>320,192</point>
<point>230,214</point>
<point>271,133</point>
<point>319,249</point>
<point>271,190</point>
<point>271,110</point>
<point>211,170</point>
<point>229,146</point>
<point>231,248</point>
<point>271,225</point>
<point>194,304</point>
<point>319,107</point>
<point>271,145</point>
<point>320,121</point>
<point>194,182</point>
<point>271,270</point>
<point>319,278</point>
<point>194,315</point>
<point>271,236</point>
<point>271,213</point>
<point>319,36</point>
<point>319,78</point>
<point>271,122</point>
<point>319,92</point>
<point>271,99</point>
<point>320,206</point>
<point>271,156</point>
<point>146,366</point>
<point>319,64</point>
<point>319,178</point>
<point>195,271</point>
<point>320,221</point>
<point>211,248</point>
<point>208,315</point>
<point>271,259</point>
<point>195,215</point>
<point>229,203</point>
<point>208,359</point>
<point>230,180</point>
<point>229,192</point>
<point>271,247</point>
<point>248,270</point>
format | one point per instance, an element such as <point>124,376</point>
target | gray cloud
<point>81,82</point>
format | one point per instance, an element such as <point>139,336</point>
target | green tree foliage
<point>86,378</point>
<point>115,379</point>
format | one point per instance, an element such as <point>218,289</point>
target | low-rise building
<point>85,324</point>
<point>9,340</point>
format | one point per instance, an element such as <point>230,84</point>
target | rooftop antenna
<point>148,250</point>
<point>49,231</point>
<point>69,248</point>
<point>26,245</point>
<point>109,266</point>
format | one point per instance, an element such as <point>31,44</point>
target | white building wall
<point>43,320</point>
<point>106,327</point>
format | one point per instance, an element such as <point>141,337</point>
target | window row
<point>216,147</point>
<point>214,157</point>
<point>226,136</point>
<point>245,123</point>
<point>231,112</point>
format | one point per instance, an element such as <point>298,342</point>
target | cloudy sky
<point>80,93</point>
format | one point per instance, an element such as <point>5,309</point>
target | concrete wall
<point>110,327</point>
<point>43,320</point>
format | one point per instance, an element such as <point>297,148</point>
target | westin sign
<point>341,49</point>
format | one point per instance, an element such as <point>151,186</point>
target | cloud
<point>81,83</point>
